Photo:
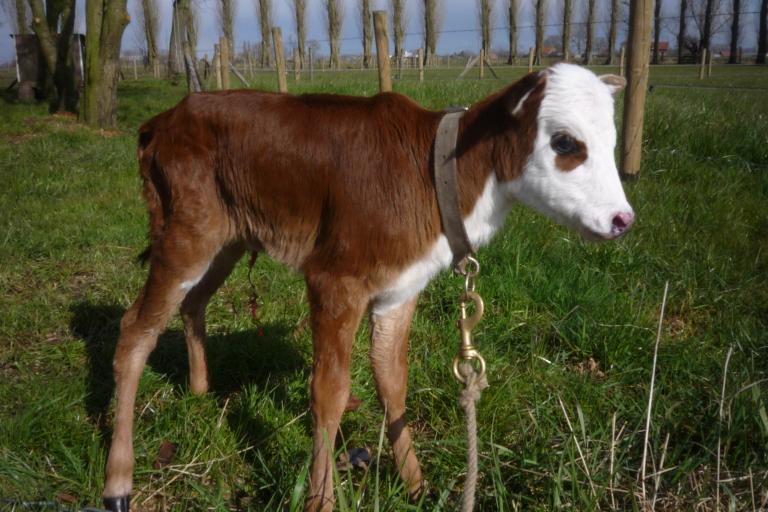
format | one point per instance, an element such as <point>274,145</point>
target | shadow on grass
<point>254,356</point>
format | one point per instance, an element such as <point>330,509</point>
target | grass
<point>569,331</point>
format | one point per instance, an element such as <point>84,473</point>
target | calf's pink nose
<point>621,222</point>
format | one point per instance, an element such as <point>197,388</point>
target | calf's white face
<point>571,173</point>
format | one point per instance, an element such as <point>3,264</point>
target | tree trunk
<point>656,31</point>
<point>398,28</point>
<point>22,25</point>
<point>265,24</point>
<point>762,33</point>
<point>187,31</point>
<point>541,7</point>
<point>430,30</point>
<point>734,57</point>
<point>612,33</point>
<point>227,23</point>
<point>681,30</point>
<point>335,17</point>
<point>485,12</point>
<point>706,33</point>
<point>59,71</point>
<point>566,44</point>
<point>150,14</point>
<point>365,20</point>
<point>190,31</point>
<point>590,32</point>
<point>512,32</point>
<point>175,52</point>
<point>299,8</point>
<point>105,23</point>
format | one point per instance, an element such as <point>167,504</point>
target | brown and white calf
<point>341,189</point>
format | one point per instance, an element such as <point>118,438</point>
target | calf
<point>341,189</point>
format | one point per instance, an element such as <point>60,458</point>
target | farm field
<point>568,334</point>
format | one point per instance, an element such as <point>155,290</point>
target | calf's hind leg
<point>193,313</point>
<point>179,262</point>
<point>389,358</point>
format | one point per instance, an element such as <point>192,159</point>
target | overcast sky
<point>459,24</point>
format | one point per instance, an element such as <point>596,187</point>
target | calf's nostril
<point>622,221</point>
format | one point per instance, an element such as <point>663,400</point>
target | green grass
<point>72,222</point>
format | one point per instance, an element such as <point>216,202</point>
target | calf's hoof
<point>119,504</point>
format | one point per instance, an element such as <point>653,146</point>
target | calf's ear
<point>525,96</point>
<point>615,83</point>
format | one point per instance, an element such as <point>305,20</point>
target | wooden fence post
<point>709,67</point>
<point>421,64</point>
<point>224,62</point>
<point>481,67</point>
<point>640,16</point>
<point>135,71</point>
<point>531,56</point>
<point>382,50</point>
<point>277,42</point>
<point>703,66</point>
<point>217,65</point>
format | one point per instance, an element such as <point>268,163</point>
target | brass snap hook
<point>467,351</point>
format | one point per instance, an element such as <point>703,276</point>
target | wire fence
<point>519,28</point>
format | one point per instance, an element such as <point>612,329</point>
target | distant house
<point>663,49</point>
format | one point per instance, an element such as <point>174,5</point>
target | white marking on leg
<point>191,283</point>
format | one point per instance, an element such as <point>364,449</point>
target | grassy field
<point>568,334</point>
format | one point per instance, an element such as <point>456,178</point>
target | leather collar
<point>446,186</point>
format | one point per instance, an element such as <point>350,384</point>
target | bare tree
<point>264,12</point>
<point>397,8</point>
<point>225,12</point>
<point>733,58</point>
<point>512,14</point>
<point>300,20</point>
<point>432,21</point>
<point>334,10</point>
<point>541,8</point>
<point>150,20</point>
<point>567,11</point>
<point>365,28</point>
<point>762,33</point>
<point>656,31</point>
<point>612,32</point>
<point>484,14</point>
<point>105,22</point>
<point>709,18</point>
<point>46,22</point>
<point>590,32</point>
<point>681,30</point>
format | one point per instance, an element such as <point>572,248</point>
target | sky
<point>459,24</point>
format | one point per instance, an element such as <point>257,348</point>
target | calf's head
<point>571,174</point>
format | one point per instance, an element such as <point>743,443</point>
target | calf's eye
<point>563,144</point>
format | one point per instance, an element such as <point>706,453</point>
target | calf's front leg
<point>336,306</point>
<point>389,357</point>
